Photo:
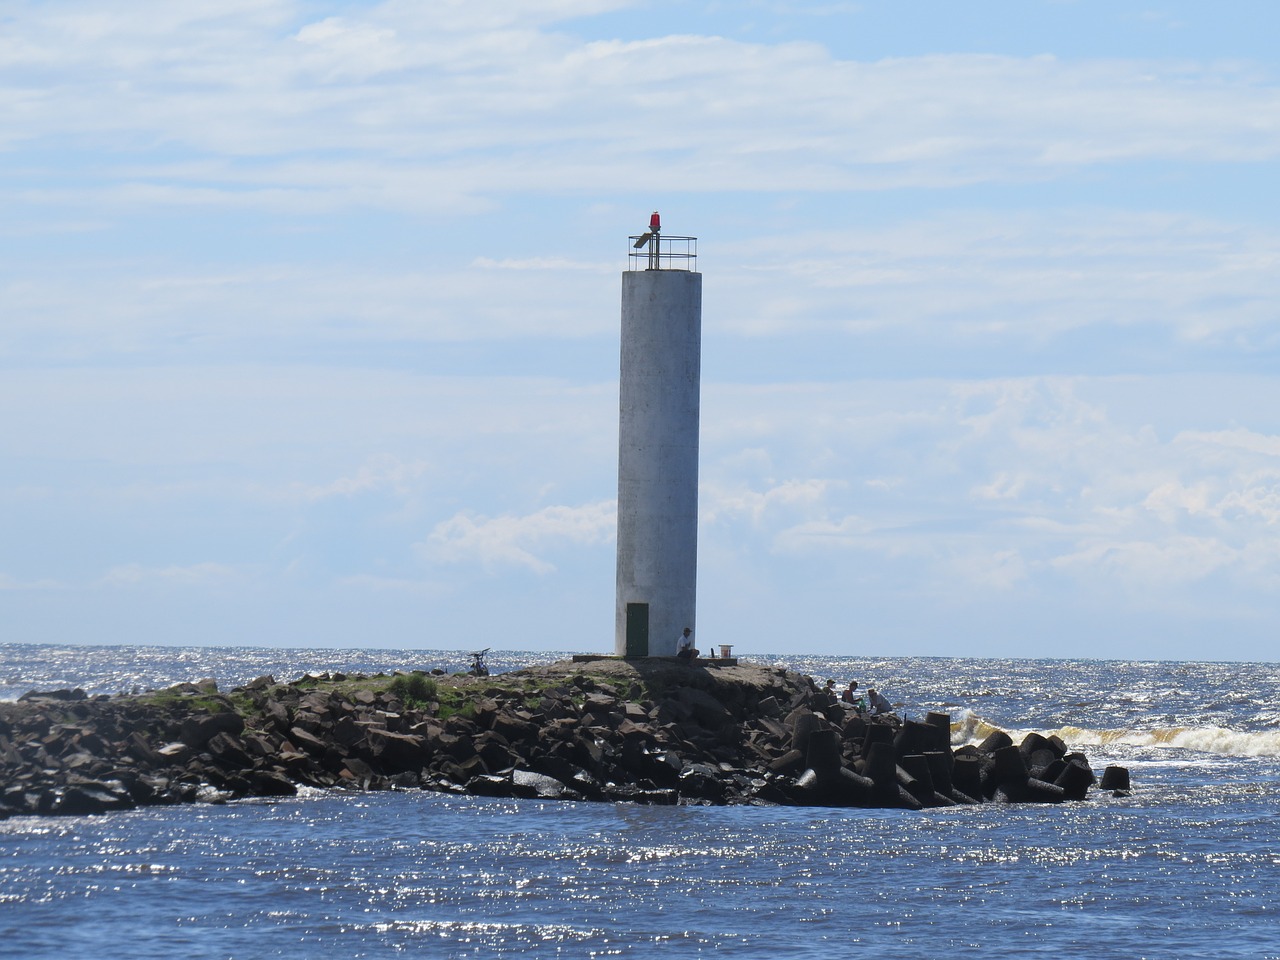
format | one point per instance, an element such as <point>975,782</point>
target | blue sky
<point>309,321</point>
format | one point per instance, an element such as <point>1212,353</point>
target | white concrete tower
<point>658,444</point>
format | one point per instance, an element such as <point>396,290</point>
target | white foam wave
<point>971,728</point>
<point>1219,740</point>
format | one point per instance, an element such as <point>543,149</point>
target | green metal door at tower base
<point>637,629</point>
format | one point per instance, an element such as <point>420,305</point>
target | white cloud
<point>1004,279</point>
<point>519,540</point>
<point>1260,500</point>
<point>720,505</point>
<point>384,473</point>
<point>1171,499</point>
<point>1001,570</point>
<point>976,494</point>
<point>1237,439</point>
<point>1013,483</point>
<point>1164,564</point>
<point>850,532</point>
<point>15,584</point>
<point>138,309</point>
<point>435,107</point>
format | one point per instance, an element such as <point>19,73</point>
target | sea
<point>1187,864</point>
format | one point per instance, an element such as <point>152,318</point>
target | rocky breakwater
<point>648,731</point>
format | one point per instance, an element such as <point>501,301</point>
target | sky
<point>309,319</point>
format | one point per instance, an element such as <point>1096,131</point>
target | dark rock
<point>63,695</point>
<point>914,737</point>
<point>526,783</point>
<point>625,792</point>
<point>228,751</point>
<point>1038,761</point>
<point>940,764</point>
<point>259,744</point>
<point>854,730</point>
<point>1115,778</point>
<point>197,730</point>
<point>514,729</point>
<point>877,733</point>
<point>137,747</point>
<point>1010,767</point>
<point>460,748</point>
<point>707,710</point>
<point>1075,778</point>
<point>1042,792</point>
<point>397,752</point>
<point>358,770</point>
<point>803,722</point>
<point>701,781</point>
<point>882,770</point>
<point>914,776</point>
<point>907,799</point>
<point>347,731</point>
<point>940,720</point>
<point>769,707</point>
<point>175,752</point>
<point>790,762</point>
<point>996,740</point>
<point>852,789</point>
<point>278,714</point>
<point>93,797</point>
<point>490,785</point>
<point>496,753</point>
<point>206,793</point>
<point>822,754</point>
<point>307,741</point>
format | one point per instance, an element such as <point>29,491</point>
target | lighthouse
<point>658,402</point>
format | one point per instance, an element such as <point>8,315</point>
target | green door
<point>637,629</point>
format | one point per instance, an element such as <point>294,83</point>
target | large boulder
<point>706,709</point>
<point>198,729</point>
<point>526,783</point>
<point>92,797</point>
<point>397,752</point>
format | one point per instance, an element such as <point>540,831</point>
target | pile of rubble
<point>651,731</point>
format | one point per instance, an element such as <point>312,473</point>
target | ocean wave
<point>971,728</point>
<point>1218,740</point>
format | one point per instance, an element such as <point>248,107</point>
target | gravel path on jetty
<point>658,731</point>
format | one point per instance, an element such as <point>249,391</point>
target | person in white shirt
<point>684,645</point>
<point>879,704</point>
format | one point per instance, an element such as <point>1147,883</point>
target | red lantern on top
<point>655,222</point>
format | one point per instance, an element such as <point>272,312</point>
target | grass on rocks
<point>436,694</point>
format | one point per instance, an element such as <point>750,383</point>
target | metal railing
<point>656,252</point>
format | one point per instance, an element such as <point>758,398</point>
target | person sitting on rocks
<point>831,690</point>
<point>852,696</point>
<point>684,645</point>
<point>878,703</point>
